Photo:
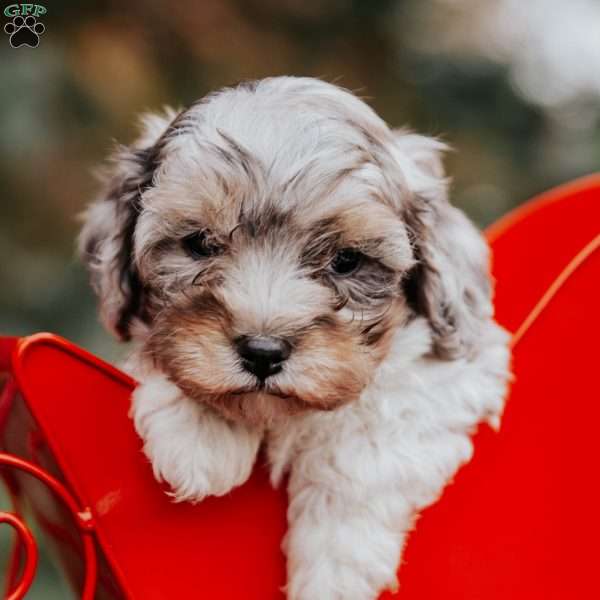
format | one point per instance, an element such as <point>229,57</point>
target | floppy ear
<point>450,283</point>
<point>107,237</point>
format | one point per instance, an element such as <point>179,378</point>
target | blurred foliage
<point>102,62</point>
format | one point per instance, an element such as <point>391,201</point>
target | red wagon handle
<point>83,519</point>
<point>24,541</point>
<point>28,545</point>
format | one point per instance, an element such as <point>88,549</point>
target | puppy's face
<point>268,240</point>
<point>265,300</point>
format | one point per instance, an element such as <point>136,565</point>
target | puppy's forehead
<point>284,119</point>
<point>289,146</point>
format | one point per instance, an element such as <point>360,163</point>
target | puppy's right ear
<point>107,237</point>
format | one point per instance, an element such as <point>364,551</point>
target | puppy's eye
<point>346,261</point>
<point>198,245</point>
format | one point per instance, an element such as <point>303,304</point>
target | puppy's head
<point>265,244</point>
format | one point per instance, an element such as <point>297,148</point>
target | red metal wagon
<point>521,521</point>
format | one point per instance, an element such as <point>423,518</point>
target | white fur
<point>360,473</point>
<point>194,450</point>
<point>357,476</point>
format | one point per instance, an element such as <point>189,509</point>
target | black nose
<point>262,355</point>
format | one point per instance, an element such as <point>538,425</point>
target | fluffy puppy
<point>292,273</point>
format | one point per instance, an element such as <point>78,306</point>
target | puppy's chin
<point>261,408</point>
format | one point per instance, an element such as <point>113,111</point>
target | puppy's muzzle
<point>263,356</point>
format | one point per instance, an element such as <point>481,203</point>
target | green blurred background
<point>514,86</point>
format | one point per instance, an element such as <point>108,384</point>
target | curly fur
<point>392,367</point>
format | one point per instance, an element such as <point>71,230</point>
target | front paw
<point>337,581</point>
<point>189,465</point>
<point>347,564</point>
<point>190,447</point>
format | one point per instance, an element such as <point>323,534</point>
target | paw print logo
<point>24,31</point>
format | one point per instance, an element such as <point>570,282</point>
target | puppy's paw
<point>342,556</point>
<point>331,580</point>
<point>190,447</point>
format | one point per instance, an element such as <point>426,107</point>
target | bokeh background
<point>514,86</point>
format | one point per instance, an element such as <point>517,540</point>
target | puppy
<point>292,273</point>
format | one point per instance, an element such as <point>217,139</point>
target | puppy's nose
<point>263,355</point>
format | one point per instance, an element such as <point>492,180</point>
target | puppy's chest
<point>422,402</point>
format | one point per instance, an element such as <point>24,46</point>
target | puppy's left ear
<point>450,283</point>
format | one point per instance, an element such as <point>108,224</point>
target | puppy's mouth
<point>264,389</point>
<point>255,404</point>
<point>259,389</point>
<point>292,402</point>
